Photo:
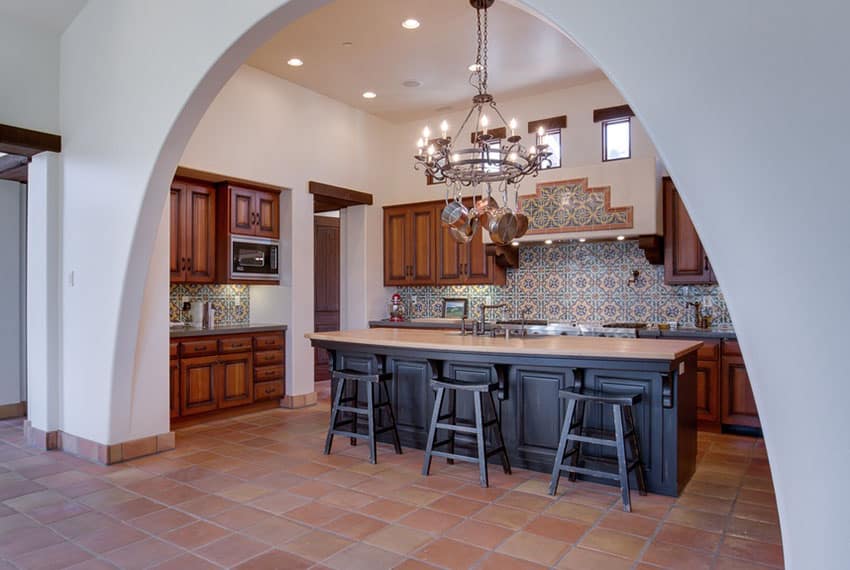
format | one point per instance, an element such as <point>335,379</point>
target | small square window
<point>553,139</point>
<point>616,139</point>
<point>495,150</point>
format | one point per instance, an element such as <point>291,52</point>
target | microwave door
<point>251,258</point>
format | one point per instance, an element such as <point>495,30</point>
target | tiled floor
<point>256,492</point>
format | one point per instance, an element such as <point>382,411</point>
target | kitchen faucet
<point>484,309</point>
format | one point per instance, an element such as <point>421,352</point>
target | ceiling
<point>55,15</point>
<point>526,55</point>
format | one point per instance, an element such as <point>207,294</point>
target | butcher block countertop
<point>564,346</point>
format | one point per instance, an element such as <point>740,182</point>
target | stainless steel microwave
<point>254,258</point>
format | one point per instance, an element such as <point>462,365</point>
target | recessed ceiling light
<point>295,62</point>
<point>548,242</point>
<point>410,24</point>
<point>347,44</point>
<point>621,238</point>
<point>582,240</point>
<point>475,67</point>
<point>369,94</point>
<point>412,83</point>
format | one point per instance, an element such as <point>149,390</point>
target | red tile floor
<point>256,492</point>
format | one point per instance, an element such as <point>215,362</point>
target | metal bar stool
<point>477,388</point>
<point>624,430</point>
<point>340,404</point>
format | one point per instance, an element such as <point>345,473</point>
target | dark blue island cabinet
<point>531,412</point>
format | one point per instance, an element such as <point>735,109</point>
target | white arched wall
<point>742,108</point>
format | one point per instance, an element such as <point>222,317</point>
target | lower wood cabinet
<point>198,391</point>
<point>174,388</point>
<point>738,405</point>
<point>236,381</point>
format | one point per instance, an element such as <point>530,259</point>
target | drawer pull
<point>200,348</point>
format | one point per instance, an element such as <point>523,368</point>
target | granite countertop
<point>190,331</point>
<point>430,323</point>
<point>569,346</point>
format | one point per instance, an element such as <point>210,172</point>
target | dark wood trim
<point>608,113</point>
<point>215,178</point>
<point>550,124</point>
<point>497,133</point>
<point>26,142</point>
<point>14,167</point>
<point>504,256</point>
<point>653,248</point>
<point>327,197</point>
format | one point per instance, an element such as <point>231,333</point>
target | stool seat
<point>453,384</point>
<point>601,397</point>
<point>360,376</point>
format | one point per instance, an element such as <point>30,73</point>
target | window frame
<point>556,131</point>
<point>615,120</point>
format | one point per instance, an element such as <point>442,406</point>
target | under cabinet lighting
<point>369,94</point>
<point>582,240</point>
<point>548,242</point>
<point>515,243</point>
<point>621,238</point>
<point>410,24</point>
<point>295,62</point>
<point>2,154</point>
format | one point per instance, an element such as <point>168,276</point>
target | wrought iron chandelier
<point>489,160</point>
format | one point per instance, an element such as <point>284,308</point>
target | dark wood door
<point>198,391</point>
<point>708,391</point>
<point>174,388</point>
<point>451,257</point>
<point>242,211</point>
<point>421,245</point>
<point>235,379</point>
<point>685,260</point>
<point>327,284</point>
<point>177,255</point>
<point>738,405</point>
<point>199,225</point>
<point>267,214</point>
<point>396,230</point>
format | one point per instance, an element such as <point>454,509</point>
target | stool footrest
<point>353,410</point>
<point>494,451</point>
<point>592,440</point>
<point>350,434</point>
<point>609,460</point>
<point>592,472</point>
<point>447,455</point>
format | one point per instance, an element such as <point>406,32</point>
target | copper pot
<point>455,214</point>
<point>502,226</point>
<point>521,225</point>
<point>465,232</point>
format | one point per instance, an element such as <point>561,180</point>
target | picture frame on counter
<point>455,308</point>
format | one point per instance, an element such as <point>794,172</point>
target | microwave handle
<point>273,255</point>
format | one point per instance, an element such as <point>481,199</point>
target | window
<point>616,139</point>
<point>553,139</point>
<point>495,152</point>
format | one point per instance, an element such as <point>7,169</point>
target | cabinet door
<point>198,392</point>
<point>242,211</point>
<point>236,380</point>
<point>177,252</point>
<point>199,225</point>
<point>708,391</point>
<point>685,261</point>
<point>422,244</point>
<point>267,214</point>
<point>174,388</point>
<point>738,406</point>
<point>396,268</point>
<point>451,257</point>
<point>481,269</point>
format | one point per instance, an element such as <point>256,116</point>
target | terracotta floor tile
<point>363,557</point>
<point>558,529</point>
<point>232,550</point>
<point>355,526</point>
<point>761,498</point>
<point>62,479</point>
<point>479,534</point>
<point>459,506</point>
<point>496,561</point>
<point>526,501</point>
<point>316,545</point>
<point>276,531</point>
<point>206,506</point>
<point>689,537</point>
<point>533,547</point>
<point>104,498</point>
<point>60,555</point>
<point>132,509</point>
<point>186,562</point>
<point>477,493</point>
<point>412,564</point>
<point>243,492</point>
<point>504,516</point>
<point>707,504</point>
<point>143,554</point>
<point>672,556</point>
<point>613,542</point>
<point>276,559</point>
<point>756,512</point>
<point>754,530</point>
<point>451,554</point>
<point>58,511</point>
<point>309,469</point>
<point>697,519</point>
<point>93,564</point>
<point>280,502</point>
<point>162,521</point>
<point>314,489</point>
<point>82,488</point>
<point>430,521</point>
<point>346,499</point>
<point>723,563</point>
<point>215,483</point>
<point>574,511</point>
<point>110,538</point>
<point>315,514</point>
<point>414,495</point>
<point>751,550</point>
<point>82,524</point>
<point>241,517</point>
<point>438,483</point>
<point>583,559</point>
<point>630,523</point>
<point>32,501</point>
<point>399,539</point>
<point>711,490</point>
<point>195,535</point>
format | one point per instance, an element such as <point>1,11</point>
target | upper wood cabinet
<point>685,260</point>
<point>410,244</point>
<point>465,264</point>
<point>250,211</point>
<point>192,225</point>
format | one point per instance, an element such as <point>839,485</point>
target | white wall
<point>13,263</point>
<point>266,129</point>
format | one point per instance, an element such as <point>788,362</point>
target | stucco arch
<point>740,113</point>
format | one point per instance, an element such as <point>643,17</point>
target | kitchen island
<point>529,372</point>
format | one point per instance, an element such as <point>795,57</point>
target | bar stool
<point>339,405</point>
<point>477,389</point>
<point>624,429</point>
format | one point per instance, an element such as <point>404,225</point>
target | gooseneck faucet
<point>484,309</point>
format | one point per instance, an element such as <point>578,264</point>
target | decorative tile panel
<point>570,206</point>
<point>231,302</point>
<point>579,282</point>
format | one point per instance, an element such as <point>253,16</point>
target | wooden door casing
<point>326,267</point>
<point>198,385</point>
<point>236,380</point>
<point>685,260</point>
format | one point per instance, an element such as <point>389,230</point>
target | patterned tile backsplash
<point>579,282</point>
<point>231,302</point>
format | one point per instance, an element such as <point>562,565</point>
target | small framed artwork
<point>455,308</point>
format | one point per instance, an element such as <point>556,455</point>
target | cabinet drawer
<point>710,350</point>
<point>267,373</point>
<point>199,347</point>
<point>172,349</point>
<point>265,341</point>
<point>731,348</point>
<point>262,358</point>
<point>266,390</point>
<point>236,344</point>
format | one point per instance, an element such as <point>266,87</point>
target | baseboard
<point>299,401</point>
<point>40,439</point>
<point>97,452</point>
<point>17,410</point>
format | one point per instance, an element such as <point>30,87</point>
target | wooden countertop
<point>570,346</point>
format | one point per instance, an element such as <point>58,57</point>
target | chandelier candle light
<point>486,162</point>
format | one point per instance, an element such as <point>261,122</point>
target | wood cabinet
<point>250,211</point>
<point>685,260</point>
<point>410,245</point>
<point>192,225</point>
<point>419,250</point>
<point>221,372</point>
<point>738,405</point>
<point>708,381</point>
